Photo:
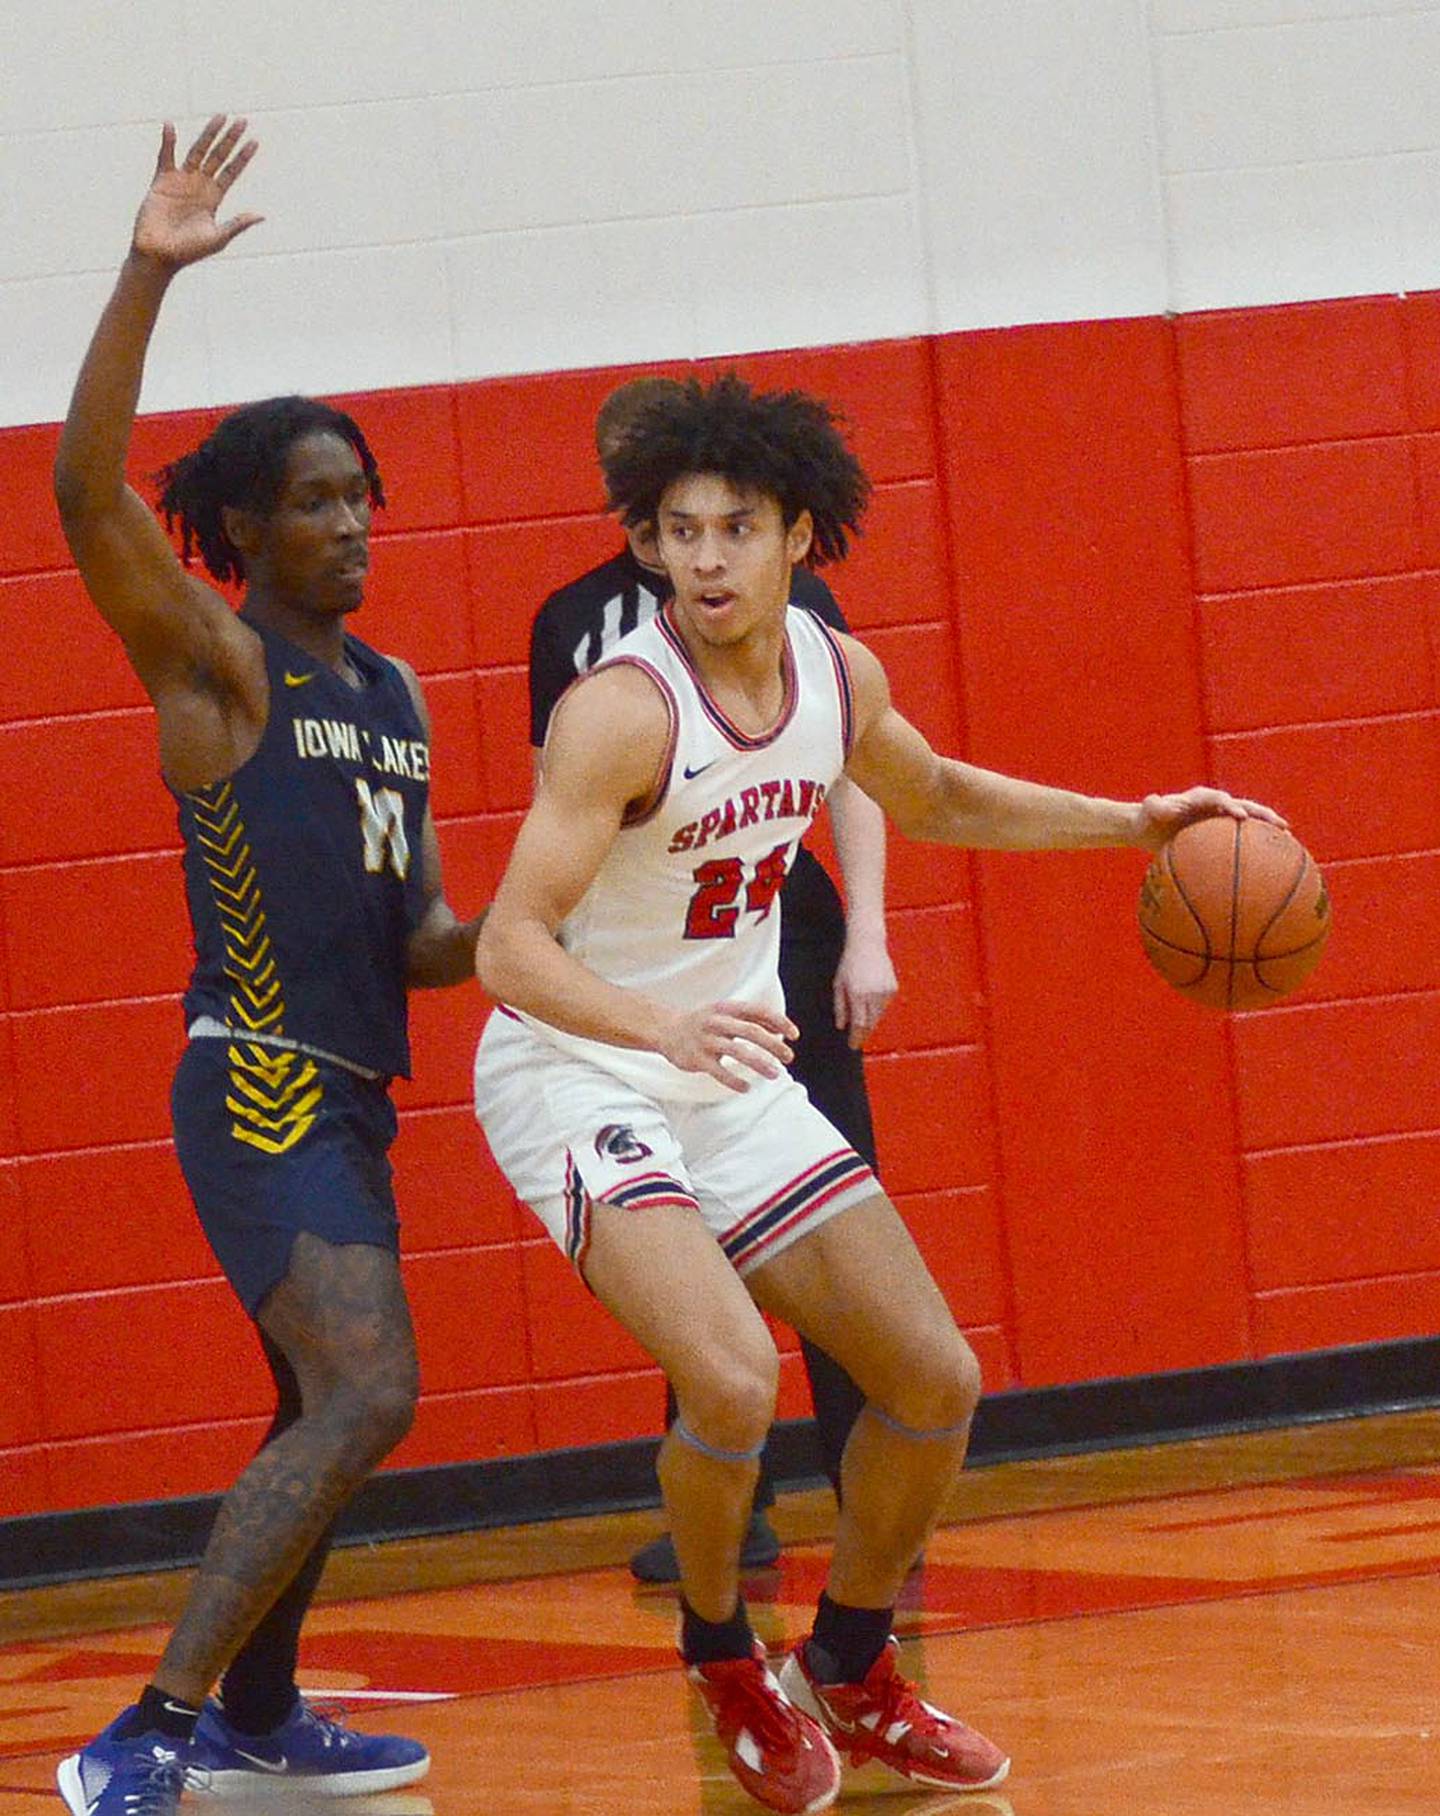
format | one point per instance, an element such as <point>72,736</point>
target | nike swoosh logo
<point>690,774</point>
<point>298,680</point>
<point>265,1765</point>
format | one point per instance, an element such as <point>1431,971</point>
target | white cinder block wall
<point>456,188</point>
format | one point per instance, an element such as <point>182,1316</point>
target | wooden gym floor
<point>1231,1627</point>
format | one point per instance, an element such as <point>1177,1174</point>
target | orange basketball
<point>1234,913</point>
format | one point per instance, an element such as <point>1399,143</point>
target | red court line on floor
<point>1392,1491</point>
<point>1381,1532</point>
<point>946,1599</point>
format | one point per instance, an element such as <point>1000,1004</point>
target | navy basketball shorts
<point>763,1168</point>
<point>272,1143</point>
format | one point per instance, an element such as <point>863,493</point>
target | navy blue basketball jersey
<point>303,868</point>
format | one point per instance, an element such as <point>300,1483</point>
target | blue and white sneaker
<point>308,1752</point>
<point>140,1776</point>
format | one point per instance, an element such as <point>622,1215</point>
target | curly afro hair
<point>242,464</point>
<point>784,444</point>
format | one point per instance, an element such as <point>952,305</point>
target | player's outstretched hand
<point>176,224</point>
<point>1160,817</point>
<point>727,1040</point>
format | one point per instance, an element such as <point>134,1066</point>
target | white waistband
<point>208,1027</point>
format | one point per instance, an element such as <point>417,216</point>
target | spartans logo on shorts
<point>620,1142</point>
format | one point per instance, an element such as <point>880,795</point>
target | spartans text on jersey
<point>786,799</point>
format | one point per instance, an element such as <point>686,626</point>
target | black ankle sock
<point>846,1641</point>
<point>158,1713</point>
<point>705,1642</point>
<point>258,1709</point>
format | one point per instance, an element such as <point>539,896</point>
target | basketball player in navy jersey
<point>299,759</point>
<point>633,945</point>
<point>835,965</point>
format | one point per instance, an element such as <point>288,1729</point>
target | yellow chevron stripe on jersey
<point>266,1095</point>
<point>223,840</point>
<point>256,1017</point>
<point>297,1118</point>
<point>252,1138</point>
<point>221,832</point>
<point>257,966</point>
<point>251,937</point>
<point>256,998</point>
<point>273,1110</point>
<point>269,1064</point>
<point>275,1133</point>
<point>274,1096</point>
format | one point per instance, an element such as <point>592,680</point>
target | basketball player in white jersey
<point>633,1086</point>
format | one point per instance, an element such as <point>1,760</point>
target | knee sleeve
<point>909,1431</point>
<point>683,1432</point>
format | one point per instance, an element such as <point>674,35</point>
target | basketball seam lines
<point>1195,914</point>
<point>1215,958</point>
<point>1293,891</point>
<point>1236,857</point>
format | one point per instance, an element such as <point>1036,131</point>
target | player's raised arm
<point>947,802</point>
<point>604,755</point>
<point>174,627</point>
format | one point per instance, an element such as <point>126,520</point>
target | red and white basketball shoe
<point>778,1753</point>
<point>884,1721</point>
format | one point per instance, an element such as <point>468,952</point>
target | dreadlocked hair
<point>785,444</point>
<point>242,464</point>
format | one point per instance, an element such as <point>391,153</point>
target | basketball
<point>1234,914</point>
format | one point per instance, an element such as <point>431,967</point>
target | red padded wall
<point>1308,448</point>
<point>1116,556</point>
<point>1111,1101</point>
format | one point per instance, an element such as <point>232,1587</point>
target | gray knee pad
<point>683,1432</point>
<point>909,1431</point>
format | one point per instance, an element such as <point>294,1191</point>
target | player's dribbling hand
<point>726,1040</point>
<point>1160,816</point>
<point>176,224</point>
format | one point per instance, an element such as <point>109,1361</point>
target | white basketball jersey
<point>685,907</point>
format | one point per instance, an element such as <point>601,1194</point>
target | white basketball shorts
<point>763,1167</point>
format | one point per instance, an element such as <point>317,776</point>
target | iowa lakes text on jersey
<point>778,800</point>
<point>338,738</point>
